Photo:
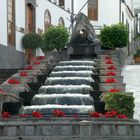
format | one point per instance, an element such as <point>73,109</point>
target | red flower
<point>111,67</point>
<point>109,62</point>
<point>95,114</point>
<point>40,57</point>
<point>110,80</point>
<point>6,115</point>
<point>37,114</point>
<point>75,116</point>
<point>113,112</point>
<point>23,115</point>
<point>37,63</point>
<point>111,73</point>
<point>108,57</point>
<point>22,74</point>
<point>29,68</point>
<point>1,90</point>
<point>108,115</point>
<point>121,116</point>
<point>13,81</point>
<point>114,90</point>
<point>58,113</point>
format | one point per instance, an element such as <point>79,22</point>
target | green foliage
<point>122,103</point>
<point>137,53</point>
<point>55,38</point>
<point>114,36</point>
<point>31,41</point>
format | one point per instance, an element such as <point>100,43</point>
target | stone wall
<point>69,129</point>
<point>10,58</point>
<point>125,55</point>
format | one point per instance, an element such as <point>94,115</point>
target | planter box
<point>96,95</point>
<point>103,62</point>
<point>104,66</point>
<point>113,56</point>
<point>108,86</point>
<point>99,106</point>
<point>27,97</point>
<point>127,93</point>
<point>45,61</point>
<point>34,87</point>
<point>104,72</point>
<point>118,78</point>
<point>31,72</point>
<point>12,107</point>
<point>137,59</point>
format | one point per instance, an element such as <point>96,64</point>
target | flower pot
<point>137,59</point>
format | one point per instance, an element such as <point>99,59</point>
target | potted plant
<point>136,57</point>
<point>55,38</point>
<point>119,101</point>
<point>30,42</point>
<point>114,36</point>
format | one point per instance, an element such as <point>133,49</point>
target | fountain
<point>72,74</point>
<point>62,99</point>
<point>71,84</point>
<point>69,81</point>
<point>73,68</point>
<point>68,88</point>
<point>62,89</point>
<point>77,63</point>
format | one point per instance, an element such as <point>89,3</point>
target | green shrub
<point>115,36</point>
<point>55,38</point>
<point>31,41</point>
<point>122,103</point>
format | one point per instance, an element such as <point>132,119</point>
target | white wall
<point>20,22</point>
<point>55,12</point>
<point>3,22</point>
<point>79,5</point>
<point>130,20</point>
<point>108,12</point>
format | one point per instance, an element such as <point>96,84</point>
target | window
<point>61,3</point>
<point>47,19</point>
<point>93,9</point>
<point>11,22</point>
<point>61,21</point>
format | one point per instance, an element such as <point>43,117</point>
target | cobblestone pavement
<point>131,75</point>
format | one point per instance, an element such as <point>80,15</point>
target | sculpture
<point>83,32</point>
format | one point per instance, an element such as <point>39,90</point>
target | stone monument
<point>84,41</point>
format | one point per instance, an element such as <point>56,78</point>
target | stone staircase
<point>6,73</point>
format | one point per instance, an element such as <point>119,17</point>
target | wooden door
<point>29,19</point>
<point>30,16</point>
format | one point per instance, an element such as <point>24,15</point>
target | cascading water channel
<point>68,88</point>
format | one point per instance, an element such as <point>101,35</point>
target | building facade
<point>19,17</point>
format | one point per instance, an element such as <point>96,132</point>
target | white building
<point>19,17</point>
